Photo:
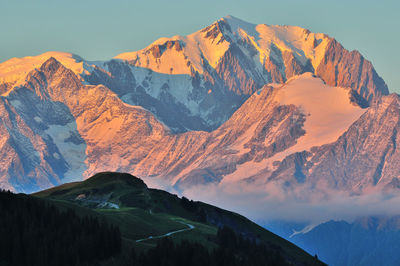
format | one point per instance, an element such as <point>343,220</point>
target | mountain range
<point>338,242</point>
<point>233,102</point>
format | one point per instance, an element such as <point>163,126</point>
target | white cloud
<point>273,201</point>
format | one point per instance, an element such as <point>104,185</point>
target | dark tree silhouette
<point>34,232</point>
<point>233,250</point>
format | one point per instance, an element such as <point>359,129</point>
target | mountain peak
<point>230,17</point>
<point>103,178</point>
<point>233,19</point>
<point>15,70</point>
<point>50,64</point>
<point>236,22</point>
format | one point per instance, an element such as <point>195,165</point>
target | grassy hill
<point>145,215</point>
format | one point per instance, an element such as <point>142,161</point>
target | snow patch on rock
<point>74,154</point>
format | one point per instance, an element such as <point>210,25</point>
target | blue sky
<point>101,29</point>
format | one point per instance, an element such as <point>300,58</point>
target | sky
<point>101,29</point>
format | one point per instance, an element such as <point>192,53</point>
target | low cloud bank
<point>274,201</point>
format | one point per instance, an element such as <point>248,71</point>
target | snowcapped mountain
<point>232,103</point>
<point>54,127</point>
<point>202,78</point>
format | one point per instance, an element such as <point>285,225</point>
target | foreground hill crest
<point>146,216</point>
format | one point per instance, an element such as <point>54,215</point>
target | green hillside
<point>144,215</point>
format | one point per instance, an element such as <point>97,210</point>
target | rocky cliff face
<point>340,67</point>
<point>368,148</point>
